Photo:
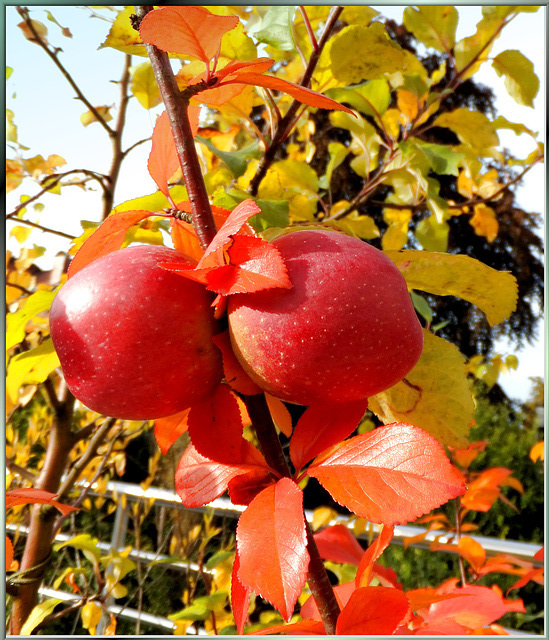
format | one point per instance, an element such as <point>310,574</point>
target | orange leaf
<point>189,31</point>
<point>539,555</point>
<point>299,93</point>
<point>390,475</point>
<point>303,627</point>
<point>272,545</point>
<point>9,553</point>
<point>235,376</point>
<point>373,611</point>
<point>35,496</point>
<point>163,159</point>
<point>167,430</point>
<point>199,480</point>
<point>322,426</point>
<point>338,544</point>
<point>342,594</point>
<point>372,553</point>
<point>472,551</point>
<point>424,598</point>
<point>280,414</point>
<point>108,237</point>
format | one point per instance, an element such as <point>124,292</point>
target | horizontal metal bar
<point>224,507</point>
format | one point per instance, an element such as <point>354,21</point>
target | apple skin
<point>135,340</point>
<point>345,331</point>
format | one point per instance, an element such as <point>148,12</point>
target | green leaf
<point>86,543</point>
<point>435,395</point>
<point>371,98</point>
<point>434,26</point>
<point>154,201</point>
<point>360,53</point>
<point>274,213</point>
<point>442,158</point>
<point>36,303</point>
<point>275,28</point>
<point>144,86</point>
<point>521,82</point>
<point>31,367</point>
<point>433,235</point>
<point>422,307</point>
<point>472,128</point>
<point>493,292</point>
<point>338,152</point>
<point>38,614</point>
<point>236,161</point>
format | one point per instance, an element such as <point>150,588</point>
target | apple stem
<point>177,103</point>
<point>317,578</point>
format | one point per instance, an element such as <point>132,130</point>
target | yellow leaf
<point>407,102</point>
<point>21,234</point>
<point>144,86</point>
<point>14,174</point>
<point>484,222</point>
<point>322,516</point>
<point>472,128</point>
<point>493,292</point>
<point>123,36</point>
<point>91,616</point>
<point>435,395</point>
<point>38,614</point>
<point>16,322</point>
<point>361,225</point>
<point>89,117</point>
<point>30,367</point>
<point>391,122</point>
<point>396,236</point>
<point>537,452</point>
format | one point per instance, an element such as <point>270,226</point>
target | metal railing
<point>223,507</point>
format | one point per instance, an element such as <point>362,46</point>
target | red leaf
<point>232,225</point>
<point>35,496</point>
<point>474,607</point>
<point>322,426</point>
<point>539,555</point>
<point>303,627</point>
<point>215,427</point>
<point>254,265</point>
<point>237,67</point>
<point>199,480</point>
<point>240,597</point>
<point>372,553</point>
<point>392,474</point>
<point>235,376</point>
<point>338,544</point>
<point>373,611</point>
<point>189,31</point>
<point>9,553</point>
<point>272,544</point>
<point>530,575</point>
<point>167,430</point>
<point>302,94</point>
<point>108,237</point>
<point>244,488</point>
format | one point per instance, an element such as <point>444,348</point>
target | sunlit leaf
<point>275,28</point>
<point>16,322</point>
<point>359,53</point>
<point>372,553</point>
<point>104,112</point>
<point>144,86</point>
<point>91,614</point>
<point>123,37</point>
<point>373,611</point>
<point>435,395</point>
<point>484,222</point>
<point>390,475</point>
<point>167,430</point>
<point>190,31</point>
<point>35,496</point>
<point>472,551</point>
<point>471,127</point>
<point>493,292</point>
<point>240,597</point>
<point>39,612</point>
<point>434,26</point>
<point>272,545</point>
<point>31,367</point>
<point>108,237</point>
<point>520,80</point>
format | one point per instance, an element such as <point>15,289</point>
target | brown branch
<point>317,577</point>
<point>177,104</point>
<point>284,127</point>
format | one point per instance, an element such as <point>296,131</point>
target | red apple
<point>135,340</point>
<point>345,331</point>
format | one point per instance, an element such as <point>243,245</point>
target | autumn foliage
<point>255,272</point>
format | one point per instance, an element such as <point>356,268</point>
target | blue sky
<point>48,120</point>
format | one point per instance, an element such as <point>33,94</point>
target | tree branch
<point>177,105</point>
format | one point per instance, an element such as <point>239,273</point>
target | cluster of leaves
<point>395,104</point>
